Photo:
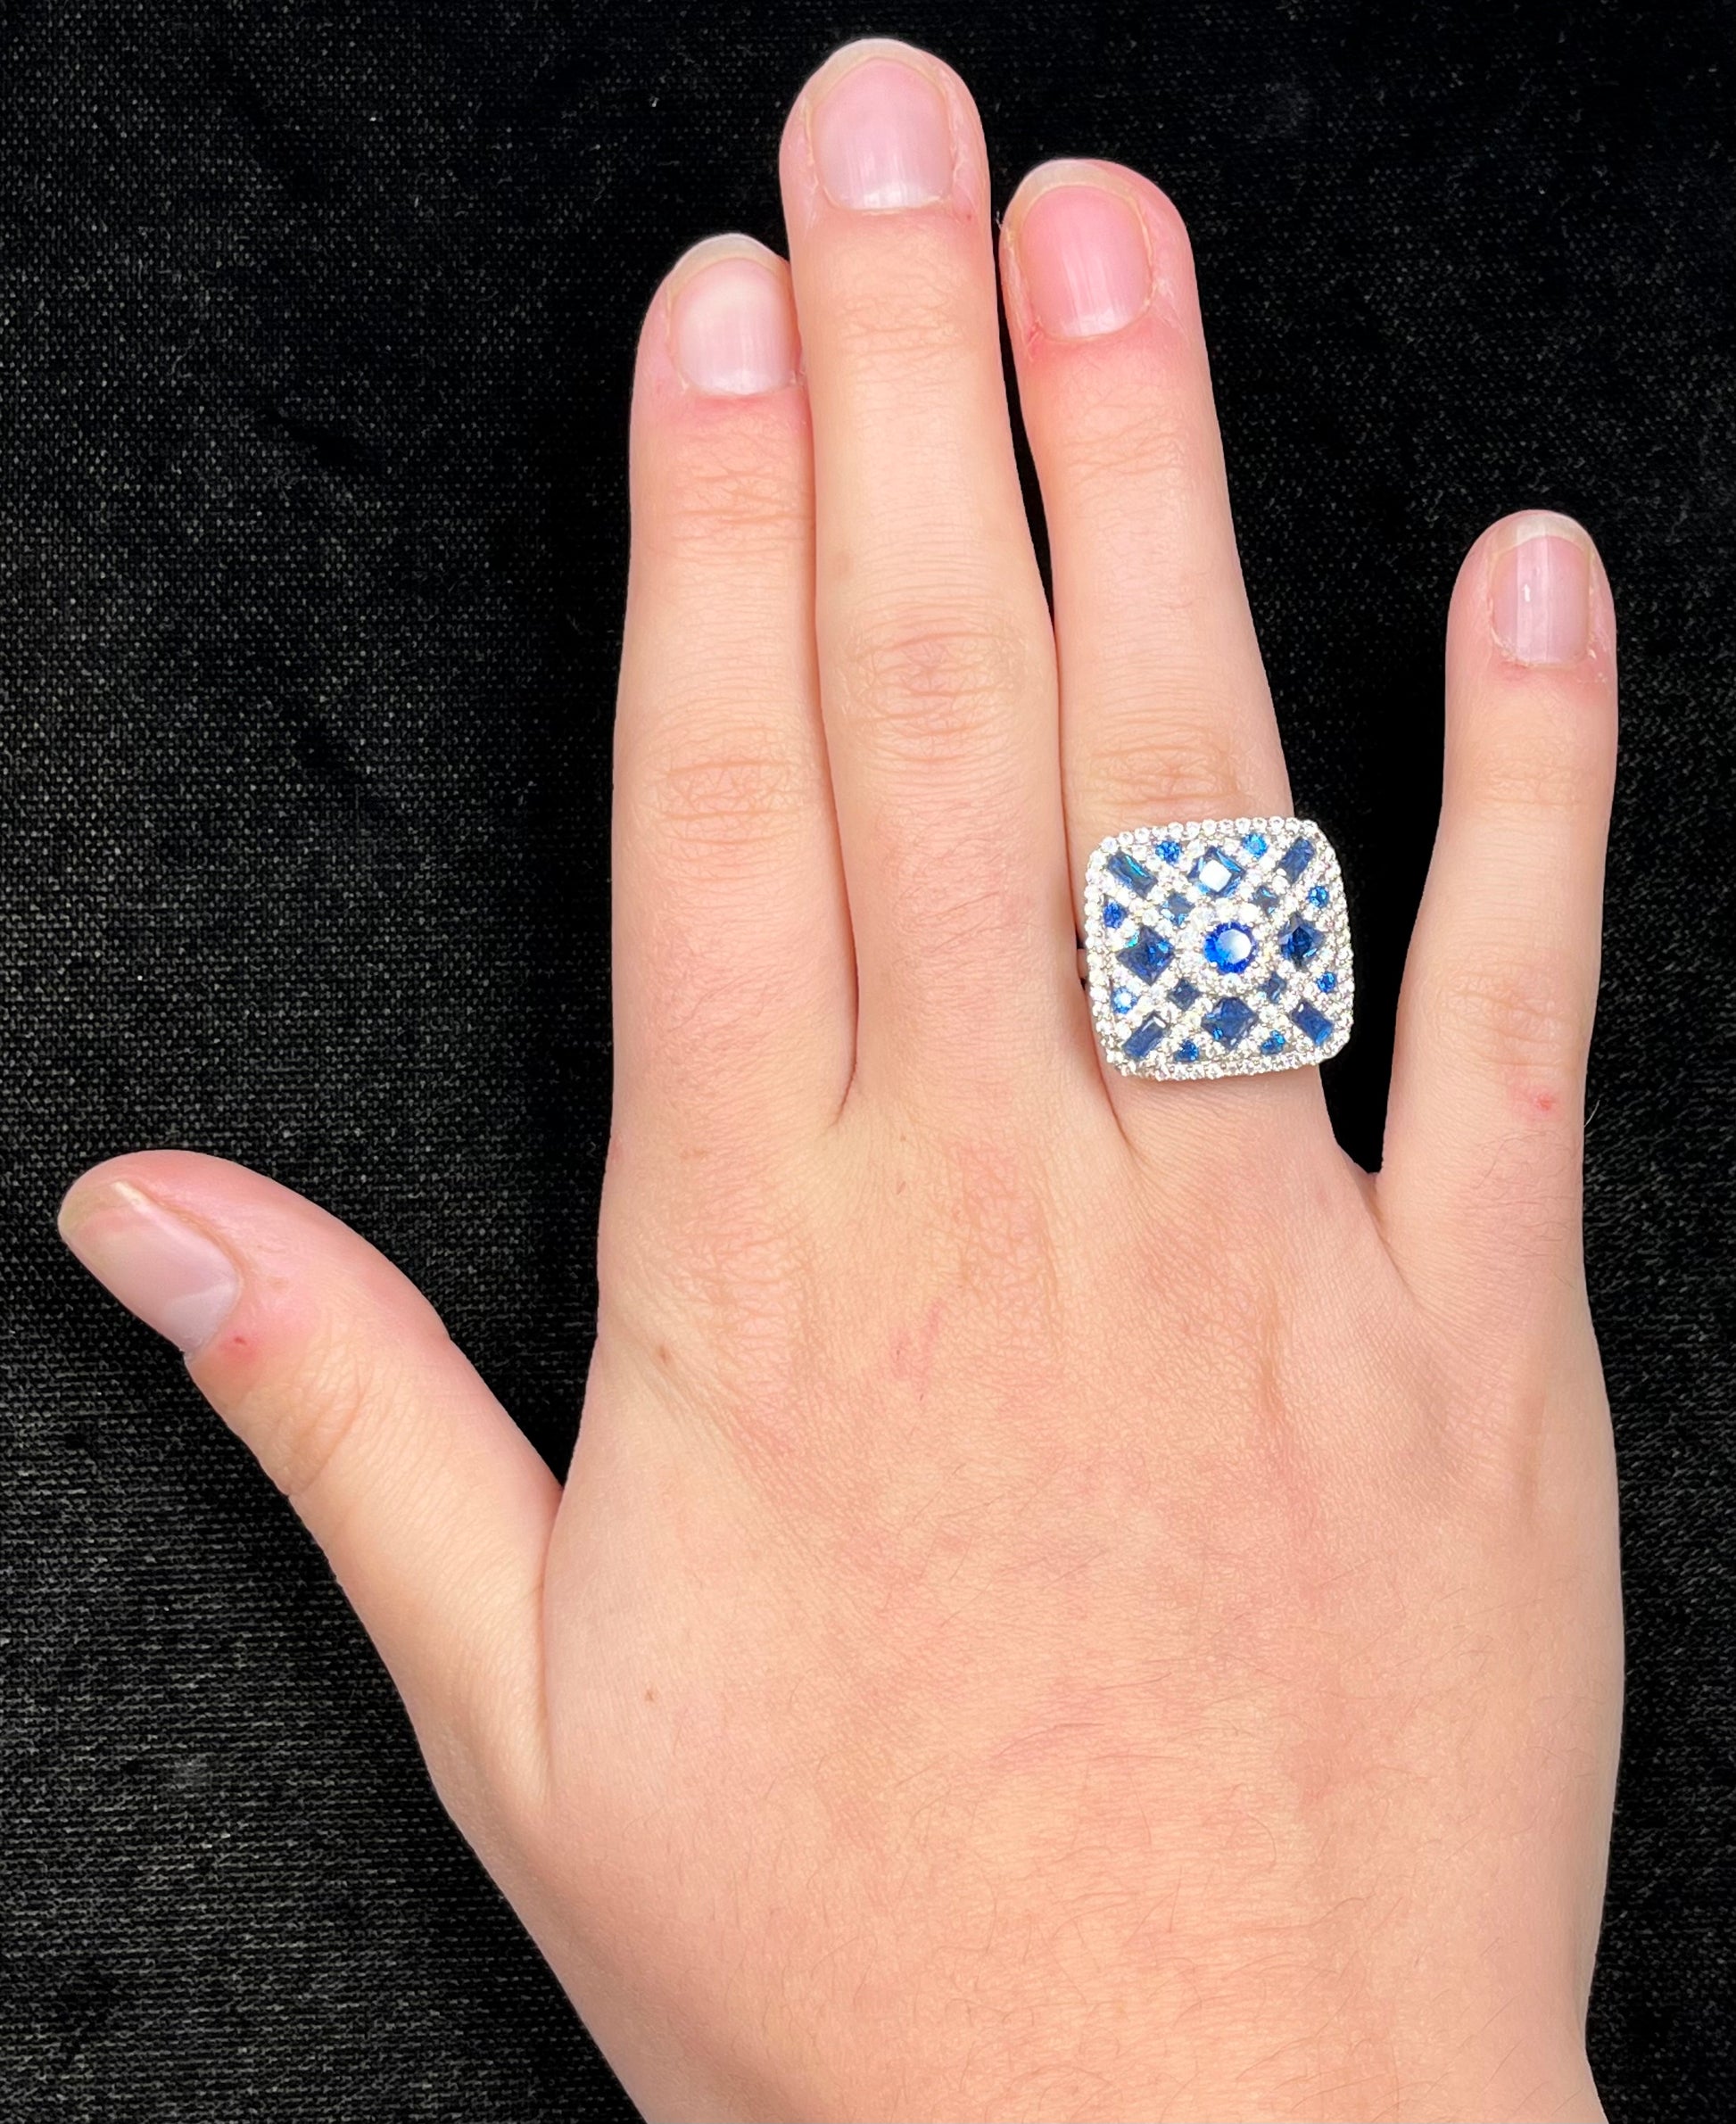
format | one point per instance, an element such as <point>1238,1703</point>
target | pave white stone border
<point>1110,983</point>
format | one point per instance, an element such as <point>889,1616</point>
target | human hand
<point>1069,1600</point>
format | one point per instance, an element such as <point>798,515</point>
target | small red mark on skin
<point>650,1696</point>
<point>1546,1102</point>
<point>236,1343</point>
<point>664,1357</point>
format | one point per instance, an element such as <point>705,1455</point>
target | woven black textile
<point>315,334</point>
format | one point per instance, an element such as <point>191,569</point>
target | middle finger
<point>936,658</point>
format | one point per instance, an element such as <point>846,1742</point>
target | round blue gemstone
<point>1122,1002</point>
<point>1327,982</point>
<point>1189,1051</point>
<point>1114,914</point>
<point>1169,850</point>
<point>1229,948</point>
<point>1320,895</point>
<point>1254,843</point>
<point>1273,1044</point>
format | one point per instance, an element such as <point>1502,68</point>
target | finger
<point>937,669</point>
<point>1481,1179</point>
<point>1165,714</point>
<point>431,1505</point>
<point>734,992</point>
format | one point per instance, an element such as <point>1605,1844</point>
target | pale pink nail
<point>1085,264</point>
<point>882,139</point>
<point>1540,590</point>
<point>173,1278</point>
<point>731,331</point>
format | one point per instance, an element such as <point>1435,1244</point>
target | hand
<point>1070,1600</point>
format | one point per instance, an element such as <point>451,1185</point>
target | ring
<point>1218,948</point>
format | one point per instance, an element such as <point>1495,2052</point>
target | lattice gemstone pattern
<point>1218,948</point>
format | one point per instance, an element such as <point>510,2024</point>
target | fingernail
<point>731,331</point>
<point>882,139</point>
<point>170,1276</point>
<point>1540,590</point>
<point>1087,266</point>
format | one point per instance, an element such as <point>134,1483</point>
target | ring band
<point>1218,948</point>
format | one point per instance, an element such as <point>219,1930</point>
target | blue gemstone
<point>1273,1044</point>
<point>1114,914</point>
<point>1142,1039</point>
<point>1327,982</point>
<point>1317,1026</point>
<point>1178,907</point>
<point>1297,857</point>
<point>1273,985</point>
<point>1320,895</point>
<point>1254,843</point>
<point>1184,996</point>
<point>1169,850</point>
<point>1189,1051</point>
<point>1229,948</point>
<point>1265,898</point>
<point>1228,1020</point>
<point>1131,871</point>
<point>1217,874</point>
<point>1122,1002</point>
<point>1147,956</point>
<point>1300,946</point>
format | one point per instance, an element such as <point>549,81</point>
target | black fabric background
<point>315,332</point>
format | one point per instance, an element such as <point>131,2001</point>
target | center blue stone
<point>1228,1020</point>
<point>1216,873</point>
<point>1229,948</point>
<point>1131,871</point>
<point>1315,1023</point>
<point>1301,944</point>
<point>1147,956</point>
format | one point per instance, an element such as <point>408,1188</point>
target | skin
<point>1016,1640</point>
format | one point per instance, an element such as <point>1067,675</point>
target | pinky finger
<point>1480,1189</point>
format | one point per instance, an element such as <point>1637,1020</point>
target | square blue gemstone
<point>1184,996</point>
<point>1228,1020</point>
<point>1114,914</point>
<point>1313,1023</point>
<point>1301,944</point>
<point>1178,907</point>
<point>1254,843</point>
<point>1142,1039</point>
<point>1217,874</point>
<point>1273,985</point>
<point>1131,871</point>
<point>1189,1051</point>
<point>1273,1044</point>
<point>1297,857</point>
<point>1265,898</point>
<point>1147,956</point>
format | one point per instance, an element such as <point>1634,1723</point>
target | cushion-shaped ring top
<point>1218,948</point>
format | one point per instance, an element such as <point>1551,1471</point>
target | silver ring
<point>1218,948</point>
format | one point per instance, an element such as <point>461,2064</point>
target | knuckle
<point>299,1427</point>
<point>1183,763</point>
<point>738,486</point>
<point>732,796</point>
<point>1523,1018</point>
<point>930,682</point>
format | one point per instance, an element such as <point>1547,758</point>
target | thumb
<point>431,1506</point>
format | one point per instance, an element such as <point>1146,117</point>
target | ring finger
<point>1164,707</point>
